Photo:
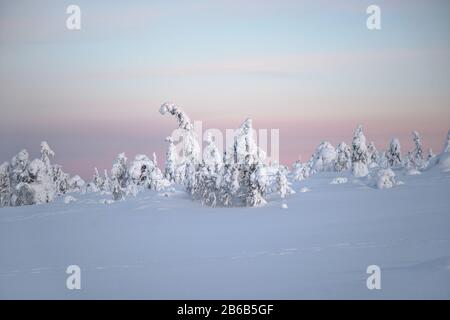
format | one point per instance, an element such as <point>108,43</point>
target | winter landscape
<point>224,149</point>
<point>230,225</point>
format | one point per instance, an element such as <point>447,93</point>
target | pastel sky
<point>310,68</point>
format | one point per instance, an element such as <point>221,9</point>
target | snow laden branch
<point>190,146</point>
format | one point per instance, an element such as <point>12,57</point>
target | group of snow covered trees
<point>360,157</point>
<point>239,176</point>
<point>25,182</point>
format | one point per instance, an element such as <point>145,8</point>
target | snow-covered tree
<point>227,192</point>
<point>256,185</point>
<point>171,160</point>
<point>323,158</point>
<point>360,157</point>
<point>41,182</point>
<point>97,181</point>
<point>374,157</point>
<point>139,171</point>
<point>46,153</point>
<point>107,182</point>
<point>76,184</point>
<point>211,154</point>
<point>393,154</point>
<point>60,179</point>
<point>119,170</point>
<point>190,150</point>
<point>244,144</point>
<point>5,185</point>
<point>283,185</point>
<point>415,160</point>
<point>386,179</point>
<point>23,195</point>
<point>300,171</point>
<point>343,161</point>
<point>19,171</point>
<point>117,191</point>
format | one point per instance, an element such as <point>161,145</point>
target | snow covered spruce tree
<point>119,170</point>
<point>144,174</point>
<point>415,160</point>
<point>171,160</point>
<point>77,184</point>
<point>343,161</point>
<point>374,156</point>
<point>190,149</point>
<point>106,182</point>
<point>97,181</point>
<point>393,154</point>
<point>41,181</point>
<point>283,185</point>
<point>211,154</point>
<point>60,179</point>
<point>360,157</point>
<point>19,171</point>
<point>323,158</point>
<point>300,171</point>
<point>5,185</point>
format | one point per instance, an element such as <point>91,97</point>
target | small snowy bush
<point>69,199</point>
<point>386,179</point>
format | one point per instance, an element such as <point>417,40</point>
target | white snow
<point>304,189</point>
<point>69,199</point>
<point>171,247</point>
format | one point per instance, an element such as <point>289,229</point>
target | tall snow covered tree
<point>107,182</point>
<point>119,170</point>
<point>360,155</point>
<point>256,184</point>
<point>374,157</point>
<point>41,181</point>
<point>171,160</point>
<point>22,194</point>
<point>343,161</point>
<point>244,144</point>
<point>5,185</point>
<point>300,171</point>
<point>415,158</point>
<point>19,171</point>
<point>97,181</point>
<point>190,150</point>
<point>46,153</point>
<point>60,179</point>
<point>211,154</point>
<point>117,191</point>
<point>283,185</point>
<point>393,154</point>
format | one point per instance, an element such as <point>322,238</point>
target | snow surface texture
<point>166,246</point>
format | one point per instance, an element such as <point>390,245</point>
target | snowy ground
<point>160,247</point>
